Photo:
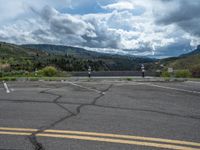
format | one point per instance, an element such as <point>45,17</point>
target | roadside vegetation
<point>26,61</point>
<point>34,64</point>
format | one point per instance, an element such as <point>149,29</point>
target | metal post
<point>143,70</point>
<point>89,72</point>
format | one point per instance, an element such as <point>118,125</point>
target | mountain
<point>112,61</point>
<point>31,57</point>
<point>12,50</point>
<point>185,61</point>
<point>77,52</point>
<point>194,52</point>
<point>66,58</point>
<point>64,50</point>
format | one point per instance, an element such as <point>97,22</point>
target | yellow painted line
<point>109,140</point>
<point>148,144</point>
<point>15,133</point>
<point>126,137</point>
<point>99,135</point>
<point>19,129</point>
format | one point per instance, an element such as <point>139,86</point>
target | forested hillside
<point>32,57</point>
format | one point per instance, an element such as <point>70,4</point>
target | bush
<point>48,71</point>
<point>129,79</point>
<point>165,74</point>
<point>195,71</point>
<point>183,74</point>
<point>5,67</point>
<point>15,73</point>
<point>8,79</point>
<point>1,74</point>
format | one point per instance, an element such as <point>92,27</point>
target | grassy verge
<point>8,78</point>
<point>33,78</point>
<point>129,79</point>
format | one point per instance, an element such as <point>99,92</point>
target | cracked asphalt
<point>166,110</point>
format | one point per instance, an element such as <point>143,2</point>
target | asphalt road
<point>100,115</point>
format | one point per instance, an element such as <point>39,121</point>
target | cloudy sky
<point>155,28</point>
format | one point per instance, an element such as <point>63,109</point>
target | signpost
<point>171,71</point>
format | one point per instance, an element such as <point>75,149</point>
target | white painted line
<point>171,88</point>
<point>194,82</point>
<point>84,87</point>
<point>6,87</point>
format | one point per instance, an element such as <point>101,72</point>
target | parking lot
<point>99,114</point>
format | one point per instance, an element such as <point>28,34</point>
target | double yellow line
<point>104,137</point>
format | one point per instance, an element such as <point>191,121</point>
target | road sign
<point>170,70</point>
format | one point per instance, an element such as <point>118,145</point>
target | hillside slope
<point>112,62</point>
<point>194,52</point>
<point>185,61</point>
<point>12,50</point>
<point>64,50</point>
<point>30,58</point>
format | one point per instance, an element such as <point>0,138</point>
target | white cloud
<point>13,9</point>
<point>123,5</point>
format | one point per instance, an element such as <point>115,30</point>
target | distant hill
<point>112,61</point>
<point>31,57</point>
<point>194,52</point>
<point>64,50</point>
<point>12,50</point>
<point>185,61</point>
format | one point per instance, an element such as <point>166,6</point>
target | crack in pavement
<point>33,139</point>
<point>103,106</point>
<point>56,101</point>
<point>112,107</point>
<point>35,101</point>
<point>35,143</point>
<point>149,110</point>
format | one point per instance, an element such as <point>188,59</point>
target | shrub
<point>182,74</point>
<point>15,73</point>
<point>129,79</point>
<point>34,79</point>
<point>8,79</point>
<point>165,74</point>
<point>1,74</point>
<point>195,71</point>
<point>5,67</point>
<point>48,71</point>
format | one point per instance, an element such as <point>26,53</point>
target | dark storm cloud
<point>186,15</point>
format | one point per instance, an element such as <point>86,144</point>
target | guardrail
<point>113,73</point>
